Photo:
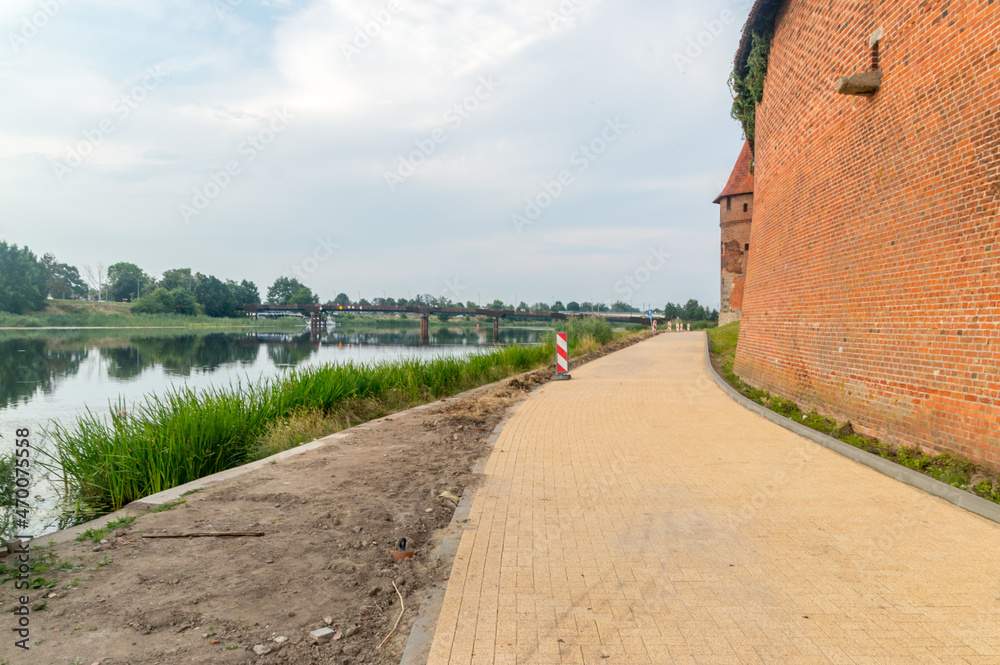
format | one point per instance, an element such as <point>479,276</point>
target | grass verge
<point>85,314</point>
<point>955,471</point>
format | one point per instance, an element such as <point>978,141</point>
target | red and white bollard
<point>689,327</point>
<point>562,358</point>
<point>654,325</point>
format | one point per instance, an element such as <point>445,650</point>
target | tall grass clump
<point>184,434</point>
<point>586,334</point>
<point>7,497</point>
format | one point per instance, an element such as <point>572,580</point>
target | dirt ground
<point>331,518</point>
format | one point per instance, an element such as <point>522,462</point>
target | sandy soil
<point>331,518</point>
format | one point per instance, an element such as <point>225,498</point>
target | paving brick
<point>689,530</point>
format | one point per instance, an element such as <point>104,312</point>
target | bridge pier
<point>425,328</point>
<point>496,330</point>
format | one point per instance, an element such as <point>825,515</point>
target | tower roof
<point>741,179</point>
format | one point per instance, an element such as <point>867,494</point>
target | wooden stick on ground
<point>203,534</point>
<point>402,608</point>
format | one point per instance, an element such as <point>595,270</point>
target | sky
<point>524,150</point>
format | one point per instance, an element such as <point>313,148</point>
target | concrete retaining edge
<point>418,644</point>
<point>960,498</point>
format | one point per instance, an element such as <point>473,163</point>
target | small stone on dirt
<point>281,639</point>
<point>321,635</point>
<point>352,631</point>
<point>357,529</point>
<point>338,635</point>
<point>261,650</point>
<point>428,510</point>
<point>328,620</point>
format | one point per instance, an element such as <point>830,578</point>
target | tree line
<point>26,282</point>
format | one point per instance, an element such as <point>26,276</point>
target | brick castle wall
<point>873,288</point>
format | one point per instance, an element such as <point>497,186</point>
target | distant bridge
<point>317,312</point>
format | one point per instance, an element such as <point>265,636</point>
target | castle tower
<point>735,214</point>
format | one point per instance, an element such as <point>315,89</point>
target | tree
<point>557,306</point>
<point>341,300</point>
<point>23,280</point>
<point>127,281</point>
<point>303,296</point>
<point>471,305</point>
<point>671,311</point>
<point>281,291</point>
<point>162,301</point>
<point>693,311</point>
<point>178,278</point>
<point>540,307</point>
<point>621,306</point>
<point>573,306</point>
<point>497,304</point>
<point>217,298</point>
<point>245,292</point>
<point>64,280</point>
<point>95,279</point>
<point>523,306</point>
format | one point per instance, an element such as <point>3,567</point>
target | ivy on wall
<point>748,85</point>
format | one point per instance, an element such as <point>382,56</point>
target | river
<point>53,375</point>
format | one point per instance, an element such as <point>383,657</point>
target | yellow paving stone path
<point>637,514</point>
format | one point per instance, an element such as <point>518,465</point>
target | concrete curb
<point>418,645</point>
<point>960,498</point>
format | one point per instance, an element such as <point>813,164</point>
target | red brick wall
<point>873,288</point>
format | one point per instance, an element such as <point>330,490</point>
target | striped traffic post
<point>562,357</point>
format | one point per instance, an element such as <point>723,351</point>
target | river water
<point>54,375</point>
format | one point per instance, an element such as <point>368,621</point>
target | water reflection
<point>30,366</point>
<point>179,354</point>
<point>33,364</point>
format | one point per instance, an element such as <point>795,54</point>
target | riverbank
<point>330,517</point>
<point>955,471</point>
<point>89,314</point>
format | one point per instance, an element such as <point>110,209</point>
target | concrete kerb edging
<point>418,645</point>
<point>960,498</point>
<point>147,503</point>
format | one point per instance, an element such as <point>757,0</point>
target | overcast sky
<point>488,149</point>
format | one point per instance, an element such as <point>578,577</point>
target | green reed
<point>167,440</point>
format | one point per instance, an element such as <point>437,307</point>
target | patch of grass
<point>946,468</point>
<point>98,534</point>
<point>82,313</point>
<point>168,506</point>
